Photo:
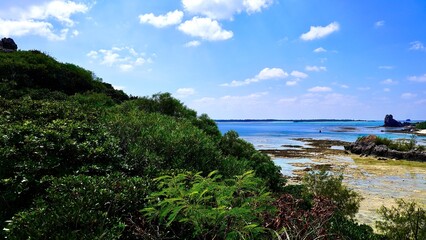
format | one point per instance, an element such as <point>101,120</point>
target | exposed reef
<point>368,146</point>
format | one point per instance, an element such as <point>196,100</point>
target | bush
<point>242,153</point>
<point>194,207</point>
<point>323,184</point>
<point>421,125</point>
<point>406,221</point>
<point>295,221</point>
<point>153,142</point>
<point>400,144</point>
<point>80,207</point>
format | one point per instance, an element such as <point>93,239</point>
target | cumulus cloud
<point>224,9</point>
<point>320,50</point>
<point>265,74</point>
<point>389,81</point>
<point>417,46</point>
<point>315,68</point>
<point>379,24</point>
<point>171,18</point>
<point>39,20</point>
<point>317,32</point>
<point>193,44</point>
<point>185,92</point>
<point>205,28</point>
<point>408,95</point>
<point>320,89</point>
<point>421,78</point>
<point>298,74</point>
<point>125,58</point>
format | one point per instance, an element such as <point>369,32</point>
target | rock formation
<point>390,122</point>
<point>8,45</point>
<point>367,146</point>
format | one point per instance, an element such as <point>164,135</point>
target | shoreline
<point>380,182</point>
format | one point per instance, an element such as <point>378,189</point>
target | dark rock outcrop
<point>390,122</point>
<point>8,45</point>
<point>366,146</point>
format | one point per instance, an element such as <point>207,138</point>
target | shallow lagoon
<point>380,182</point>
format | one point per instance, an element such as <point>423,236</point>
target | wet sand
<point>379,181</point>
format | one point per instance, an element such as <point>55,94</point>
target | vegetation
<point>81,160</point>
<point>401,144</point>
<point>189,205</point>
<point>407,221</point>
<point>421,125</point>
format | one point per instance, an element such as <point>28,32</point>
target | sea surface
<point>275,134</point>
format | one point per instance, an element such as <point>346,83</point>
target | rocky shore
<point>379,182</point>
<point>367,146</point>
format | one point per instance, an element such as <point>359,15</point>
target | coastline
<point>380,182</point>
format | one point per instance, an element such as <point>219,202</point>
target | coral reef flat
<point>379,181</point>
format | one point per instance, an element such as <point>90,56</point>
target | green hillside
<point>81,160</point>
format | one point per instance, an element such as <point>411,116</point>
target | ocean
<point>274,134</point>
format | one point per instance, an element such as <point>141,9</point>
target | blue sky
<point>238,59</point>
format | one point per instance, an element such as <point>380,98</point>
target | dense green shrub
<point>22,72</point>
<point>323,184</point>
<point>406,221</point>
<point>243,154</point>
<point>194,207</point>
<point>421,125</point>
<point>400,144</point>
<point>81,207</point>
<point>153,142</point>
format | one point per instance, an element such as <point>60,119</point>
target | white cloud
<point>389,81</point>
<point>379,24</point>
<point>317,32</point>
<point>193,44</point>
<point>386,67</point>
<point>421,78</point>
<point>126,67</point>
<point>408,95</point>
<point>37,20</point>
<point>298,74</point>
<point>265,74</point>
<point>292,83</point>
<point>205,28</point>
<point>171,18</point>
<point>315,68</point>
<point>320,50</point>
<point>320,89</point>
<point>224,9</point>
<point>417,46</point>
<point>386,90</point>
<point>185,92</point>
<point>125,58</point>
<point>252,96</point>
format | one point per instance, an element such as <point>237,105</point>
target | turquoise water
<point>274,134</point>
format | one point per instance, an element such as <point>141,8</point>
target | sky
<point>242,59</point>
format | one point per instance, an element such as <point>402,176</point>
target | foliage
<point>245,155</point>
<point>400,144</point>
<point>80,207</point>
<point>153,142</point>
<point>22,72</point>
<point>406,221</point>
<point>421,125</point>
<point>344,228</point>
<point>295,221</point>
<point>196,207</point>
<point>323,184</point>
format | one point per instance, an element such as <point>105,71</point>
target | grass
<point>390,162</point>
